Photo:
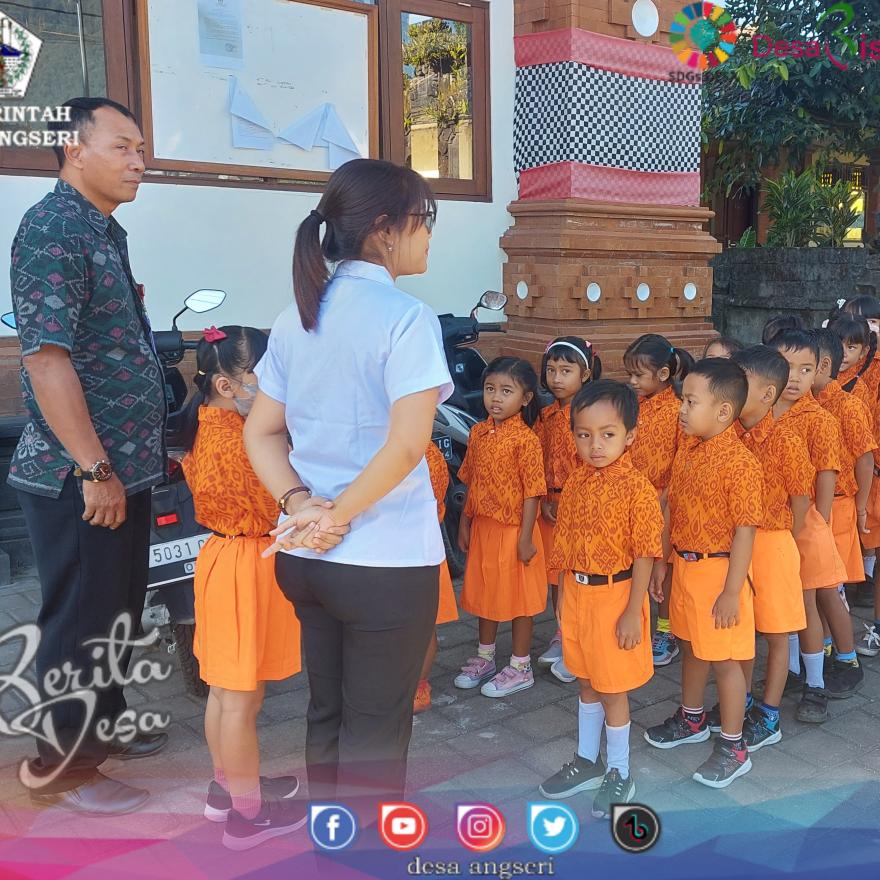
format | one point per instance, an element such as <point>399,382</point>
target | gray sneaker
<point>869,646</point>
<point>560,671</point>
<point>578,775</point>
<point>613,790</point>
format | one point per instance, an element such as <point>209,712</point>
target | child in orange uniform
<point>653,365</point>
<point>715,505</point>
<point>822,568</point>
<point>849,509</point>
<point>447,610</point>
<point>609,531</point>
<point>246,631</point>
<point>776,563</point>
<point>569,363</point>
<point>505,575</point>
<point>722,347</point>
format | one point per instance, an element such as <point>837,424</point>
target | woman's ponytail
<point>310,272</point>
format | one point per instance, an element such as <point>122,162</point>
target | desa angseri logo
<point>18,57</point>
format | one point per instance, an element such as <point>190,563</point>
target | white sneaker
<point>870,643</point>
<point>561,672</point>
<point>553,652</point>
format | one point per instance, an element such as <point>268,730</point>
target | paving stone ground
<point>468,747</point>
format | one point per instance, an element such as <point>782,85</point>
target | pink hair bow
<point>212,334</point>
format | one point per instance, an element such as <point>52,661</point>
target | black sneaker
<point>614,790</point>
<point>676,731</point>
<point>713,718</point>
<point>274,819</point>
<point>813,708</point>
<point>756,731</point>
<point>726,763</point>
<point>843,679</point>
<point>578,775</point>
<point>219,802</point>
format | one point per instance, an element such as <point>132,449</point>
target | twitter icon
<point>553,828</point>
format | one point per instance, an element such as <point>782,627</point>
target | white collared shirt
<point>373,345</point>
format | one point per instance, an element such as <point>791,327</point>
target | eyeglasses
<point>428,217</point>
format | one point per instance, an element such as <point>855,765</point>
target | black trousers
<point>365,632</point>
<point>88,575</point>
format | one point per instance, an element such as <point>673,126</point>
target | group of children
<point>739,491</point>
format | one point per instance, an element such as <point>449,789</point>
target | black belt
<point>554,489</point>
<point>597,580</point>
<point>692,556</point>
<point>240,535</point>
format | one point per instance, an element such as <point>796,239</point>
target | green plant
<point>748,239</point>
<point>792,205</point>
<point>837,212</point>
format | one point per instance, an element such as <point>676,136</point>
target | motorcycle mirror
<point>9,320</point>
<point>204,300</point>
<point>494,300</point>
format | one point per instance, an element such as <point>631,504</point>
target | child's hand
<point>726,610</point>
<point>526,549</point>
<point>548,511</point>
<point>629,630</point>
<point>464,534</point>
<point>862,517</point>
<point>658,577</point>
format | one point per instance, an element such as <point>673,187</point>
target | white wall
<point>185,237</point>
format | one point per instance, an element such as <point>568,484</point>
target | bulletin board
<point>268,88</point>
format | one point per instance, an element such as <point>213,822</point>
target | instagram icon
<point>480,827</point>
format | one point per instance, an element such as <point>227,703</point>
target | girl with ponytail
<point>860,370</point>
<point>654,366</point>
<point>867,368</point>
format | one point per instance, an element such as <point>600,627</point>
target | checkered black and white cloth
<point>570,112</point>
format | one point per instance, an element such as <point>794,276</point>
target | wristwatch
<point>99,472</point>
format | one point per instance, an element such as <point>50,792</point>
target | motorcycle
<point>462,410</point>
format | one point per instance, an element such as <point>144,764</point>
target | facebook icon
<point>331,826</point>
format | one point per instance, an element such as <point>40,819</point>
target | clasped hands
<point>311,525</point>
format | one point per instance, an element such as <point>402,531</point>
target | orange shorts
<point>776,575</point>
<point>821,565</point>
<point>695,587</point>
<point>547,539</point>
<point>589,641</point>
<point>846,536</point>
<point>447,610</point>
<point>246,629</point>
<point>497,586</point>
<point>871,541</point>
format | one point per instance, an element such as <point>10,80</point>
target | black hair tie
<point>317,214</point>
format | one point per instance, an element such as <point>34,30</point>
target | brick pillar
<point>608,239</point>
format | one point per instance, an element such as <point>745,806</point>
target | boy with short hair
<point>715,504</point>
<point>821,566</point>
<point>848,510</point>
<point>608,532</point>
<point>776,578</point>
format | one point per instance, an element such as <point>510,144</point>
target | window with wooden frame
<point>433,87</point>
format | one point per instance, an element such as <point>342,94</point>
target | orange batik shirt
<point>785,464</point>
<point>608,517</point>
<point>870,378</point>
<point>227,494</point>
<point>716,487</point>
<point>856,433</point>
<point>653,450</point>
<point>439,472</point>
<point>819,430</point>
<point>502,467</point>
<point>557,442</point>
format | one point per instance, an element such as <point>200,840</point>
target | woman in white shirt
<point>354,371</point>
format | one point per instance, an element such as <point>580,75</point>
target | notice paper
<point>250,129</point>
<point>322,127</point>
<point>220,33</point>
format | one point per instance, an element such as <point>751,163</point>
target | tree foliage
<point>769,111</point>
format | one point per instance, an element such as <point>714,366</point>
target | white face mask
<point>243,404</point>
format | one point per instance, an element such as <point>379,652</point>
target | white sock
<point>813,663</point>
<point>869,565</point>
<point>794,654</point>
<point>523,664</point>
<point>591,719</point>
<point>486,652</point>
<point>618,748</point>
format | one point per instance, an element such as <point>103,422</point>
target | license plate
<point>176,551</point>
<point>444,444</point>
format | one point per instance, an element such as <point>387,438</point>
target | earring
<point>390,248</point>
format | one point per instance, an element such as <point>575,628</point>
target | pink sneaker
<point>507,682</point>
<point>474,673</point>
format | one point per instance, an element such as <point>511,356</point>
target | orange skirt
<point>844,525</point>
<point>776,575</point>
<point>246,630</point>
<point>871,541</point>
<point>547,529</point>
<point>695,587</point>
<point>447,610</point>
<point>589,636</point>
<point>497,586</point>
<point>821,565</point>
